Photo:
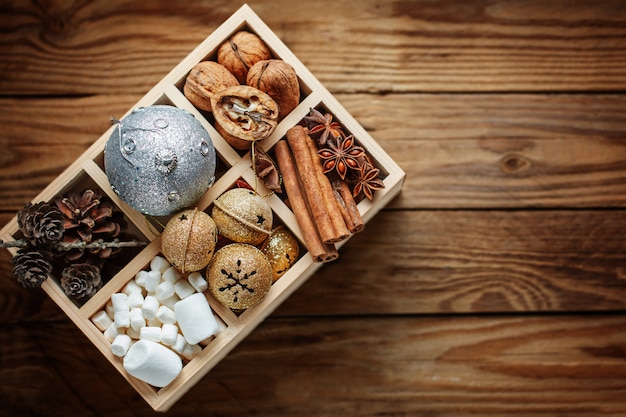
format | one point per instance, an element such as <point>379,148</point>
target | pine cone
<point>88,218</point>
<point>41,223</point>
<point>32,267</point>
<point>81,281</point>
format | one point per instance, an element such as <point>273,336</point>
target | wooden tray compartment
<point>232,165</point>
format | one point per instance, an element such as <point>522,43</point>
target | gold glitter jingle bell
<point>188,240</point>
<point>243,216</point>
<point>282,250</point>
<point>239,276</point>
<point>159,160</point>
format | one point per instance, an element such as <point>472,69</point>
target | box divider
<point>222,147</point>
<point>117,283</point>
<point>138,219</point>
<point>221,185</point>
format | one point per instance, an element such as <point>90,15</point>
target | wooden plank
<point>501,151</point>
<point>435,262</point>
<point>478,261</point>
<point>481,45</point>
<point>459,151</point>
<point>29,381</point>
<point>444,366</point>
<point>45,136</point>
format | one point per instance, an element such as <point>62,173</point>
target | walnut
<point>242,51</point>
<point>244,114</point>
<point>279,80</point>
<point>204,80</point>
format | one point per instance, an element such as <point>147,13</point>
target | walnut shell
<point>244,114</point>
<point>204,80</point>
<point>278,79</point>
<point>242,51</point>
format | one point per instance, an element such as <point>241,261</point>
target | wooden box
<point>88,171</point>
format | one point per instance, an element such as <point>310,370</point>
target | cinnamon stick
<point>351,209</point>
<point>327,194</point>
<point>343,209</point>
<point>296,137</point>
<point>319,251</point>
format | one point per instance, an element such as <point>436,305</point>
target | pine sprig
<point>44,226</point>
<point>65,246</point>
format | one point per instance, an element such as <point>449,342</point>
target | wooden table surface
<point>495,284</point>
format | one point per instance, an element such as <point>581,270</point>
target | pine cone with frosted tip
<point>88,218</point>
<point>81,281</point>
<point>41,223</point>
<point>31,267</point>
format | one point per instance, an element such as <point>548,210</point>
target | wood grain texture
<point>501,151</point>
<point>470,262</point>
<point>397,46</point>
<point>440,262</point>
<point>494,285</point>
<point>459,151</point>
<point>45,136</point>
<point>406,366</point>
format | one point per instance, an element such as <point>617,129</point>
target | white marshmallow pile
<point>158,319</point>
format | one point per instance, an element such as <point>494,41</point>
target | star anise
<point>321,126</point>
<point>365,181</point>
<point>341,156</point>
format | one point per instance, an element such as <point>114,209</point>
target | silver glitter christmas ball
<point>160,159</point>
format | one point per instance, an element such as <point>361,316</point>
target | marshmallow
<point>166,315</point>
<point>137,321</point>
<point>190,351</point>
<point>183,288</point>
<point>120,345</point>
<point>120,302</point>
<point>197,281</point>
<point>151,333</point>
<point>159,263</point>
<point>109,309</point>
<point>180,344</point>
<point>221,325</point>
<point>152,281</point>
<point>164,290</point>
<point>170,301</point>
<point>111,333</point>
<point>152,363</point>
<point>154,322</point>
<point>102,320</point>
<point>135,299</point>
<point>122,318</point>
<point>150,307</point>
<point>171,274</point>
<point>195,318</point>
<point>132,333</point>
<point>131,287</point>
<point>140,278</point>
<point>169,333</point>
